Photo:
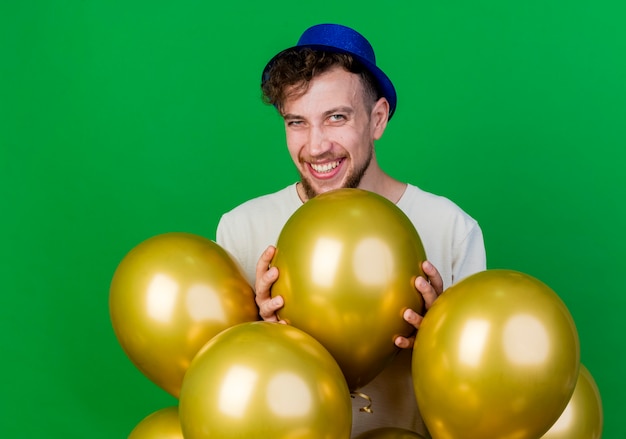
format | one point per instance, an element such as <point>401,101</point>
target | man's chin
<point>311,191</point>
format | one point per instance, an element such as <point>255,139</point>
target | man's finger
<point>404,343</point>
<point>433,276</point>
<point>427,291</point>
<point>267,309</point>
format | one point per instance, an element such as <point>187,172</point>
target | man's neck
<point>387,187</point>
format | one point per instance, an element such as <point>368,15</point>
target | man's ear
<point>380,117</point>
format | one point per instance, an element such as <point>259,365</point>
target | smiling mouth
<point>325,168</point>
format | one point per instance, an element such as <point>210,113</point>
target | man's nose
<point>319,142</point>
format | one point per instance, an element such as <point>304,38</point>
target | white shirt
<point>453,242</point>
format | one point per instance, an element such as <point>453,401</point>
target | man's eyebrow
<point>334,110</point>
<point>341,109</point>
<point>290,116</point>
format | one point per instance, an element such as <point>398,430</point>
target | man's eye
<point>294,123</point>
<point>337,117</point>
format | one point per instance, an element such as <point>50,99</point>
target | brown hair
<point>297,67</point>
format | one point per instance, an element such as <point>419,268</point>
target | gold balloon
<point>389,433</point>
<point>171,294</point>
<point>347,262</point>
<point>162,424</point>
<point>583,417</point>
<point>497,355</point>
<point>264,380</point>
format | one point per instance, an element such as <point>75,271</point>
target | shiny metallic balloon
<point>265,380</point>
<point>389,433</point>
<point>347,262</point>
<point>171,294</point>
<point>162,424</point>
<point>497,355</point>
<point>583,417</point>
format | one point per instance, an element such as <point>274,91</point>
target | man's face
<point>330,132</point>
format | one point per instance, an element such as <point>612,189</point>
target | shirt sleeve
<point>471,256</point>
<point>222,235</point>
<point>230,240</point>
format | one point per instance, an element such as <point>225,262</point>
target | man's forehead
<point>325,92</point>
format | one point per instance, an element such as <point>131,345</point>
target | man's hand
<point>429,289</point>
<point>265,278</point>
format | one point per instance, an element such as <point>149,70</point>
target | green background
<point>120,120</point>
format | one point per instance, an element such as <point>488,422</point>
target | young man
<point>336,103</point>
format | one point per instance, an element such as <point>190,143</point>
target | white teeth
<point>326,167</point>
